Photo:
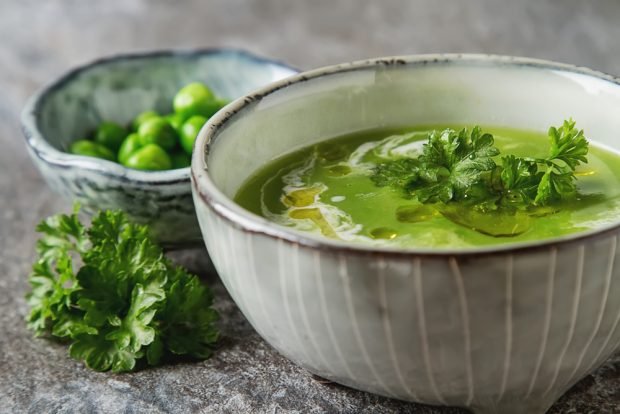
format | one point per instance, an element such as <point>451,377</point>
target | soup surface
<point>326,189</point>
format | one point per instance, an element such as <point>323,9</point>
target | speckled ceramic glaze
<point>497,330</point>
<point>117,89</point>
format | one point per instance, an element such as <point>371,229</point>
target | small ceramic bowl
<point>504,329</point>
<point>118,88</point>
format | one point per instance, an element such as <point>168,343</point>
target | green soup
<point>326,189</point>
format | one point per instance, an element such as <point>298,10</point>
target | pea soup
<point>336,189</point>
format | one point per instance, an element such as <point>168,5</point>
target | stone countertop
<point>40,40</point>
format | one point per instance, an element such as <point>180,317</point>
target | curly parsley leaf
<point>451,163</point>
<point>100,354</point>
<point>460,167</point>
<point>185,313</point>
<point>568,144</point>
<point>126,303</point>
<point>569,148</point>
<point>555,186</point>
<point>52,296</point>
<point>61,234</point>
<point>398,173</point>
<point>520,179</point>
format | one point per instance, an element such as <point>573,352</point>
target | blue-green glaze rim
<point>50,155</point>
<point>249,222</point>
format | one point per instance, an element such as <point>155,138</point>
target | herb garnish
<point>126,303</point>
<point>459,167</point>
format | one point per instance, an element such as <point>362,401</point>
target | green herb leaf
<point>101,354</point>
<point>568,144</point>
<point>126,303</point>
<point>460,167</point>
<point>569,148</point>
<point>554,186</point>
<point>398,173</point>
<point>187,319</point>
<point>520,180</point>
<point>51,297</point>
<point>451,163</point>
<point>61,234</point>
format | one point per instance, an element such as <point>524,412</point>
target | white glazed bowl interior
<point>498,330</point>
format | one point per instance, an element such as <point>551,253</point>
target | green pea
<point>130,145</point>
<point>139,120</point>
<point>110,134</point>
<point>157,131</point>
<point>190,130</point>
<point>194,99</point>
<point>91,149</point>
<point>221,102</point>
<point>180,160</point>
<point>151,157</point>
<point>176,120</point>
<point>216,105</point>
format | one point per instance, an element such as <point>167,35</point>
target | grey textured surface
<point>40,40</point>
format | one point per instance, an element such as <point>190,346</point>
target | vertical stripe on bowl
<point>419,294</point>
<point>253,276</point>
<point>303,309</point>
<point>601,312</point>
<point>387,327</point>
<point>346,282</point>
<point>325,312</point>
<point>508,349</point>
<point>573,318</point>
<point>547,324</point>
<point>301,345</point>
<point>603,350</point>
<point>458,277</point>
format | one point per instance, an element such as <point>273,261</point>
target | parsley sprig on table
<point>109,292</point>
<point>459,166</point>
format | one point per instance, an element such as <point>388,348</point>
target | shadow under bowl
<point>117,89</point>
<point>504,329</point>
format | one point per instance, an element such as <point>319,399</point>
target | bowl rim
<point>205,190</point>
<point>44,151</point>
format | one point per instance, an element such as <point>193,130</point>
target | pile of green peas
<point>155,142</point>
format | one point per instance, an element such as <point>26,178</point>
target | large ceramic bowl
<point>118,88</point>
<point>498,329</point>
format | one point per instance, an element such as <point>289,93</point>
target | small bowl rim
<point>44,151</point>
<point>207,192</point>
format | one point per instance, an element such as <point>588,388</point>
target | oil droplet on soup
<point>383,233</point>
<point>300,198</point>
<point>339,170</point>
<point>315,215</point>
<point>416,213</point>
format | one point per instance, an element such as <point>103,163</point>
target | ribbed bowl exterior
<point>500,333</point>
